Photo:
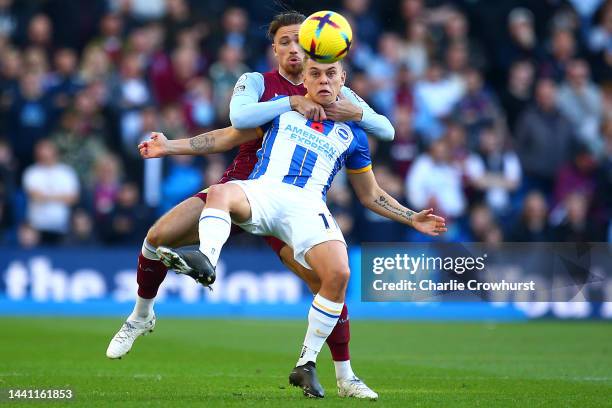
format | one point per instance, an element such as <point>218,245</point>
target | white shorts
<point>297,217</point>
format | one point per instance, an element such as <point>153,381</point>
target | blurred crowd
<point>502,111</point>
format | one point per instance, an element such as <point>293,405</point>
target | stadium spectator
<point>415,51</point>
<point>456,61</point>
<point>11,66</point>
<point>543,132</point>
<point>224,73</point>
<point>404,148</point>
<point>177,22</point>
<point>517,94</point>
<point>28,237</point>
<point>465,160</point>
<point>521,43</point>
<point>149,171</point>
<point>198,105</point>
<point>600,36</point>
<point>411,10</point>
<point>78,145</point>
<point>130,88</point>
<point>95,65</point>
<point>456,30</point>
<point>533,225</point>
<point>563,51</point>
<point>404,89</point>
<point>40,32</point>
<point>64,83</point>
<point>576,226</point>
<point>233,33</point>
<point>52,188</point>
<point>481,221</point>
<point>433,182</point>
<point>576,176</point>
<point>500,175</point>
<point>477,108</point>
<point>110,39</point>
<point>128,220</point>
<point>580,101</point>
<point>36,61</point>
<point>437,93</point>
<point>169,78</point>
<point>29,117</point>
<point>81,230</point>
<point>9,20</point>
<point>381,67</point>
<point>107,173</point>
<point>173,122</point>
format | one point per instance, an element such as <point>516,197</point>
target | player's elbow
<point>239,120</point>
<point>387,132</point>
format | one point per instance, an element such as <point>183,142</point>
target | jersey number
<point>324,218</point>
<point>326,223</point>
<point>300,169</point>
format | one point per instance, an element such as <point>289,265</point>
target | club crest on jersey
<point>342,133</point>
<point>240,84</point>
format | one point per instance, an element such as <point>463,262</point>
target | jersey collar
<point>287,79</point>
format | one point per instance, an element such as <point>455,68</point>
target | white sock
<point>214,229</point>
<point>344,370</point>
<point>148,251</point>
<point>143,309</point>
<point>322,318</point>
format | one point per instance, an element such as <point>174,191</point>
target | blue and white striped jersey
<point>309,154</point>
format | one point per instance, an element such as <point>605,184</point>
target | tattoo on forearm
<point>383,202</point>
<point>203,143</point>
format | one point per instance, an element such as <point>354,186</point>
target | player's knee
<point>217,193</point>
<point>342,274</point>
<point>158,235</point>
<point>336,278</point>
<point>154,236</point>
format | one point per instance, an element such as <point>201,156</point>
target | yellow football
<point>326,36</point>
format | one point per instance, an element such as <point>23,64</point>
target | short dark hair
<point>284,19</point>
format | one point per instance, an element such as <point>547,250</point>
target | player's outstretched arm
<point>215,141</point>
<point>378,200</point>
<point>350,107</point>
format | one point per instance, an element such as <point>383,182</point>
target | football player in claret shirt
<point>284,197</point>
<point>251,106</point>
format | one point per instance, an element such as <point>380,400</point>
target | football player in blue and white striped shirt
<point>285,197</point>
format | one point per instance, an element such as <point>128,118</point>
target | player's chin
<point>324,98</point>
<point>294,65</point>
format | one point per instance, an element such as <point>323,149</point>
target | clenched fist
<point>156,146</point>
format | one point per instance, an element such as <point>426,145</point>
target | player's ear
<point>274,49</point>
<point>343,75</point>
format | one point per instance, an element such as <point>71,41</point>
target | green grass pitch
<point>245,363</point>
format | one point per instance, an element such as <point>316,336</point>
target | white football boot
<point>121,344</point>
<point>355,388</point>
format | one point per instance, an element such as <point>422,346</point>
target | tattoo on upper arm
<point>203,143</point>
<point>383,202</point>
